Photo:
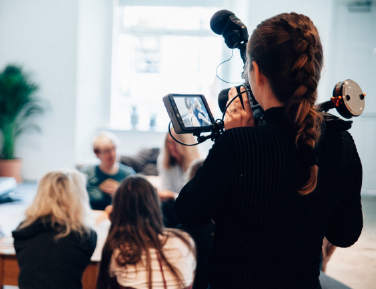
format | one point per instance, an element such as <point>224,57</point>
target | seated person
<point>172,165</point>
<point>54,243</point>
<point>139,252</point>
<point>103,179</point>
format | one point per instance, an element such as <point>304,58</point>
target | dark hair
<point>136,227</point>
<point>288,51</point>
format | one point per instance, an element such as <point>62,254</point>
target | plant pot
<point>11,168</point>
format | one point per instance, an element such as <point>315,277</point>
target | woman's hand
<point>235,115</point>
<point>327,252</point>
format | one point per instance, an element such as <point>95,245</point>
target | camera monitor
<point>188,112</point>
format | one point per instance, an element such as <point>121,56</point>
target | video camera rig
<point>348,98</point>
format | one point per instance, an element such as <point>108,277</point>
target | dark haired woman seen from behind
<point>139,252</point>
<point>274,191</point>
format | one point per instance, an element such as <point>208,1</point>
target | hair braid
<point>288,51</point>
<point>301,105</point>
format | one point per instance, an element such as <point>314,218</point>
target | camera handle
<point>216,130</point>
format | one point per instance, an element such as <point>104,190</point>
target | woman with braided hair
<point>276,190</point>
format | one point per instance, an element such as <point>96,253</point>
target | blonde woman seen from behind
<point>54,243</point>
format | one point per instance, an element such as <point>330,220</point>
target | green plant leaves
<point>18,104</point>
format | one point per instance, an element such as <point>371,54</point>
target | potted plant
<point>18,104</point>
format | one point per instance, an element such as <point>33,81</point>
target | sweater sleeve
<point>346,223</point>
<point>212,184</point>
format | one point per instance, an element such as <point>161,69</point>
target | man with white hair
<point>103,179</point>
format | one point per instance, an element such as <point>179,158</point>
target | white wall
<point>93,73</point>
<point>41,35</point>
<point>353,56</point>
<point>67,44</point>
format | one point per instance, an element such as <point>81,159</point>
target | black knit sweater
<point>266,234</point>
<point>47,263</point>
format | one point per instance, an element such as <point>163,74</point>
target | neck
<point>270,100</point>
<point>272,104</point>
<point>109,169</point>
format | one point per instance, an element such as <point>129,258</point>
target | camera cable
<point>216,70</point>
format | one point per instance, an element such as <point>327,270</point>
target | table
<point>9,269</point>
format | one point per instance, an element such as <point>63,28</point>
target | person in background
<point>54,243</point>
<point>203,238</point>
<point>139,252</point>
<point>103,179</point>
<point>172,165</point>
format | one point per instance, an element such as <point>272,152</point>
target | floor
<point>354,266</point>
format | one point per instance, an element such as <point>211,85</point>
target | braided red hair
<point>288,51</point>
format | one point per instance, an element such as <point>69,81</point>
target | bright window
<point>161,50</point>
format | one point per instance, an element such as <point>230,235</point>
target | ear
<point>259,77</point>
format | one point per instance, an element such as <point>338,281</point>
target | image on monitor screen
<point>192,111</point>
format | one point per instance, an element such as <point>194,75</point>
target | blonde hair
<point>105,138</point>
<point>61,199</point>
<point>188,153</point>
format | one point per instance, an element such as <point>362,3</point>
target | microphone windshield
<point>219,20</point>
